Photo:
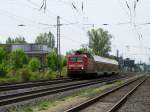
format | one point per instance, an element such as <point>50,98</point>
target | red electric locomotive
<point>84,65</point>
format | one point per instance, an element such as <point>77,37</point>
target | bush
<point>2,55</point>
<point>50,74</point>
<point>64,72</point>
<point>52,61</point>
<point>64,61</point>
<point>34,64</point>
<point>36,76</point>
<point>18,58</point>
<point>3,70</point>
<point>24,74</point>
<point>3,65</point>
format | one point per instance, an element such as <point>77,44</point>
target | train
<point>87,65</point>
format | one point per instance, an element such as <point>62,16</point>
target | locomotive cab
<point>77,64</point>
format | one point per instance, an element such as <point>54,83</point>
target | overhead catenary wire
<point>77,25</point>
<point>73,41</point>
<point>69,23</point>
<point>32,22</point>
<point>132,6</point>
<point>44,5</point>
<point>16,18</point>
<point>55,15</point>
<point>77,7</point>
<point>123,8</point>
<point>45,24</point>
<point>22,19</point>
<point>65,19</point>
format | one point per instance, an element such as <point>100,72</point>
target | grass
<point>84,94</point>
<point>8,79</point>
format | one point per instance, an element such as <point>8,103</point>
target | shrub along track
<point>111,100</point>
<point>7,100</point>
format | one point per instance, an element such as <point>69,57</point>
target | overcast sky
<point>130,41</point>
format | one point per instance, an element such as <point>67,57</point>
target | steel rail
<point>97,98</point>
<point>36,84</point>
<point>123,100</point>
<point>45,89</point>
<point>33,84</point>
<point>32,81</point>
<point>25,97</point>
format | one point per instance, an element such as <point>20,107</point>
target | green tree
<point>52,61</point>
<point>85,49</point>
<point>34,64</point>
<point>46,38</point>
<point>2,55</point>
<point>100,41</point>
<point>64,61</point>
<point>3,69</point>
<point>17,40</point>
<point>10,40</point>
<point>4,63</point>
<point>18,58</point>
<point>20,40</point>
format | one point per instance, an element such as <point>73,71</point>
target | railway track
<point>33,81</point>
<point>24,96</point>
<point>32,84</point>
<point>99,103</point>
<point>23,85</point>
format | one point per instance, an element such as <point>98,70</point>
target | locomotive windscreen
<point>78,52</point>
<point>75,59</point>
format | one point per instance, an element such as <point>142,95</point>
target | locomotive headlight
<point>82,67</point>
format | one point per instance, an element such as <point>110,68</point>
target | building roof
<point>30,48</point>
<point>37,52</point>
<point>23,44</point>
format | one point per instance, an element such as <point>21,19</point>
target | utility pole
<point>58,47</point>
<point>117,53</point>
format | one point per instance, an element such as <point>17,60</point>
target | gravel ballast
<point>139,101</point>
<point>49,97</point>
<point>108,101</point>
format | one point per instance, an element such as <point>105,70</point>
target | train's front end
<point>77,65</point>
